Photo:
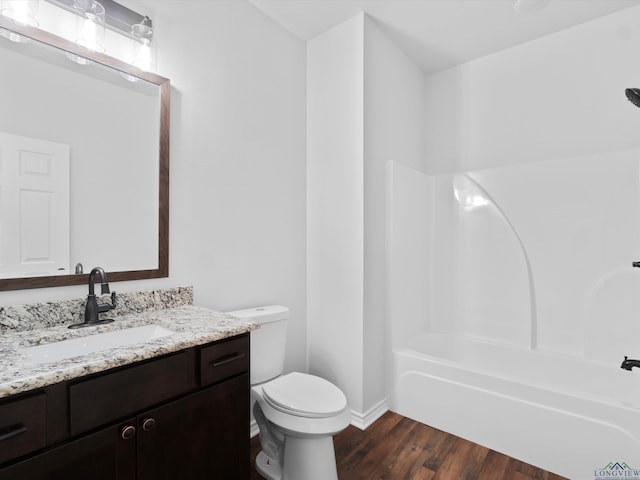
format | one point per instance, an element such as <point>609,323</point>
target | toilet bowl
<point>297,413</point>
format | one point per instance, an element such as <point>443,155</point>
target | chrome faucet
<point>629,364</point>
<point>93,308</point>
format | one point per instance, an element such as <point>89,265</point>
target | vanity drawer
<point>118,394</point>
<point>224,359</point>
<point>22,426</point>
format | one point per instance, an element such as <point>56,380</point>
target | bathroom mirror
<point>102,126</point>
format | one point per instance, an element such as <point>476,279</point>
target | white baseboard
<point>366,419</point>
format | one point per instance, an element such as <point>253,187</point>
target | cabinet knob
<point>148,424</point>
<point>128,432</point>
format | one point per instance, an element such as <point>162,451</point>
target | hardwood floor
<point>397,448</point>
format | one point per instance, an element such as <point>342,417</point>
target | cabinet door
<point>202,436</point>
<point>104,455</point>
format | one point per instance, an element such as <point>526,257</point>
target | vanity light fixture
<point>21,12</point>
<point>132,44</point>
<point>95,16</point>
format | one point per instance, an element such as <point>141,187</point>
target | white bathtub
<point>565,415</point>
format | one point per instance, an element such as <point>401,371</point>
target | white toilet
<point>297,413</point>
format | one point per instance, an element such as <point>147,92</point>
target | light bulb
<point>143,60</point>
<point>22,12</point>
<point>143,44</point>
<point>91,28</point>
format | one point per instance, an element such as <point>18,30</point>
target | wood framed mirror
<point>117,142</point>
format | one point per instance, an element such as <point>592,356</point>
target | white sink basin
<point>52,352</point>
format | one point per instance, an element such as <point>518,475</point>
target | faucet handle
<point>105,307</point>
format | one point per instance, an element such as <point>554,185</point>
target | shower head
<point>633,94</point>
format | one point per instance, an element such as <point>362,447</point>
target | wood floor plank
<point>529,471</point>
<point>495,466</point>
<point>438,447</point>
<point>463,462</point>
<point>533,473</point>
<point>421,474</point>
<point>406,455</point>
<point>397,448</point>
<point>419,469</point>
<point>381,452</point>
<point>352,445</point>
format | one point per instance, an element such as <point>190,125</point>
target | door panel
<point>198,437</point>
<point>34,207</point>
<point>104,455</point>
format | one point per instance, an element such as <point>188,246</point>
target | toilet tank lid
<point>265,314</point>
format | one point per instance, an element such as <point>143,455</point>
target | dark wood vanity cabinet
<point>189,420</point>
<point>197,437</point>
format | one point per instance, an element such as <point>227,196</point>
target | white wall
<point>335,207</point>
<point>555,97</point>
<point>238,119</point>
<point>237,194</point>
<point>364,109</point>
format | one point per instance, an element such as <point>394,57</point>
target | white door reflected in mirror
<point>34,207</point>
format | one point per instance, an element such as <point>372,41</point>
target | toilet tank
<point>268,343</point>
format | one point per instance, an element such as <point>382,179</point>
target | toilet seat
<point>304,395</point>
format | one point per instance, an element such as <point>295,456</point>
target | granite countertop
<point>192,326</point>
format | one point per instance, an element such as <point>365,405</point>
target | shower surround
<point>512,302</point>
